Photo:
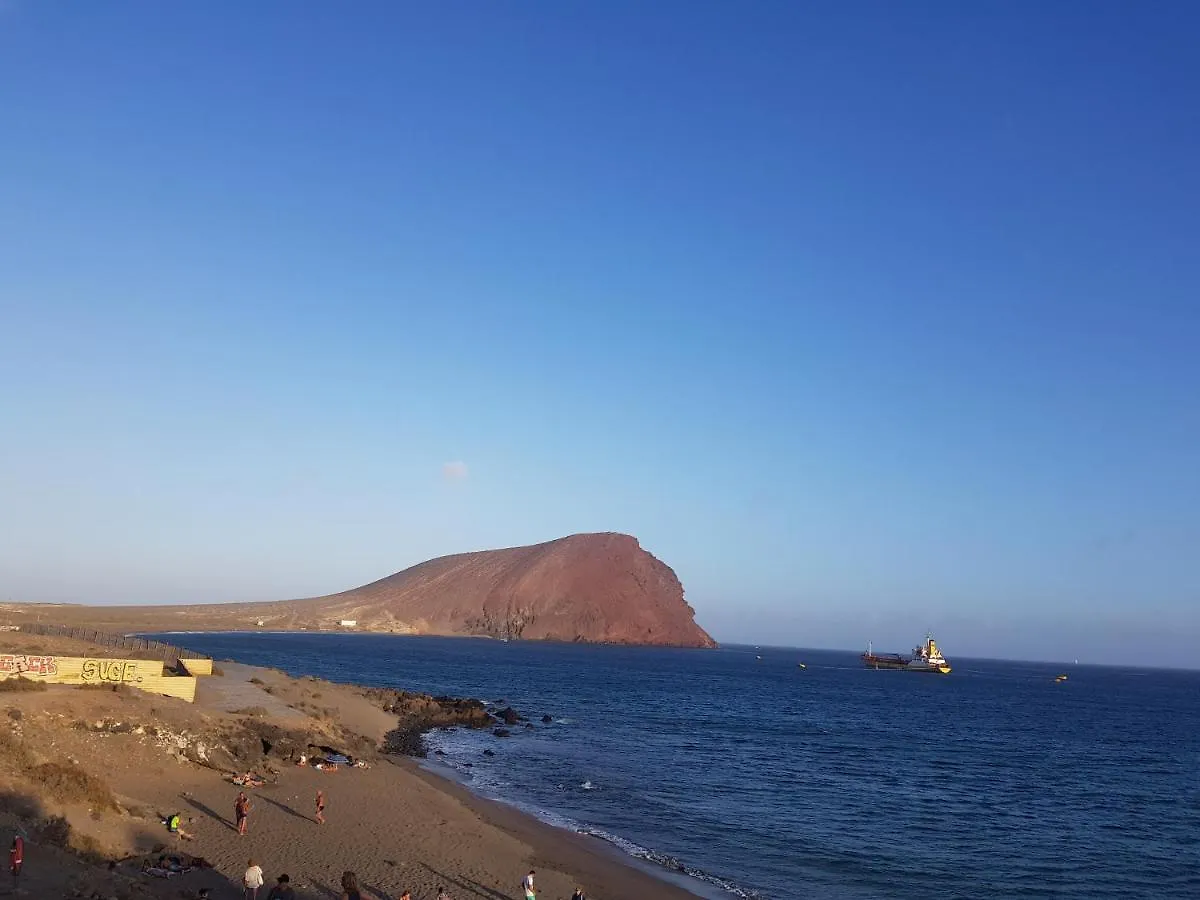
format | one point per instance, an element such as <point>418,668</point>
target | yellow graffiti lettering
<point>109,670</point>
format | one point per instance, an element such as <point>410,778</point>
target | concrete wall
<point>144,674</point>
<point>197,666</point>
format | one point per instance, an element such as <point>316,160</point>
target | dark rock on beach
<point>509,716</point>
<point>419,713</point>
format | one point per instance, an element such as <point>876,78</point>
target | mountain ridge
<point>600,587</point>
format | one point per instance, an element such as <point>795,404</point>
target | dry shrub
<point>21,684</point>
<point>55,831</point>
<point>71,784</point>
<point>257,681</point>
<point>14,755</point>
<point>86,846</point>
<point>116,687</point>
<point>21,806</point>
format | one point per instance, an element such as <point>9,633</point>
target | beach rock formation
<point>594,588</point>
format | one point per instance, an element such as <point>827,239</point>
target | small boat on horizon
<point>926,658</point>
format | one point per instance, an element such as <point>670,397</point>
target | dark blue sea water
<point>828,782</point>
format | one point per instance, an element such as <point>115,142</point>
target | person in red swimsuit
<point>16,858</point>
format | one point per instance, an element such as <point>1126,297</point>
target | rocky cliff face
<point>597,588</point>
<point>587,587</point>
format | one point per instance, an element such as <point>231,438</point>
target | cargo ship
<point>926,658</point>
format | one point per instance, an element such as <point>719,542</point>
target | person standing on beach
<point>16,859</point>
<point>320,808</point>
<point>527,886</point>
<point>350,889</point>
<point>252,880</point>
<point>241,811</point>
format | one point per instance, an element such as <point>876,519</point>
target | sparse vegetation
<point>258,681</point>
<point>19,805</point>
<point>21,684</point>
<point>14,755</point>
<point>70,784</point>
<point>117,688</point>
<point>256,711</point>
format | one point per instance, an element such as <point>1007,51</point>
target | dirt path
<point>234,691</point>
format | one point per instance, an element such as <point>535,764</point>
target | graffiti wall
<point>144,674</point>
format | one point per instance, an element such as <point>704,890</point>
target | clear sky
<point>866,317</point>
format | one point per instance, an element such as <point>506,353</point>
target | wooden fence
<point>169,652</point>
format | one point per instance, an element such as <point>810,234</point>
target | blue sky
<point>865,317</point>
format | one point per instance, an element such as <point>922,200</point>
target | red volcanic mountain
<point>601,588</point>
<point>586,587</point>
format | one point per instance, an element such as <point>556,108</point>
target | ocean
<point>766,780</point>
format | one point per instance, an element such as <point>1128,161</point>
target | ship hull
<point>903,664</point>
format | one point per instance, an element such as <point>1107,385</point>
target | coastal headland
<point>591,588</point>
<point>90,773</point>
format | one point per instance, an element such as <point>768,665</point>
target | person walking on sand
<point>320,817</point>
<point>252,880</point>
<point>241,811</point>
<point>527,886</point>
<point>578,895</point>
<point>350,889</point>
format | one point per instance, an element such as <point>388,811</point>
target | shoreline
<point>591,851</point>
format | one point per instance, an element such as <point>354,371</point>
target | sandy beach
<point>396,825</point>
